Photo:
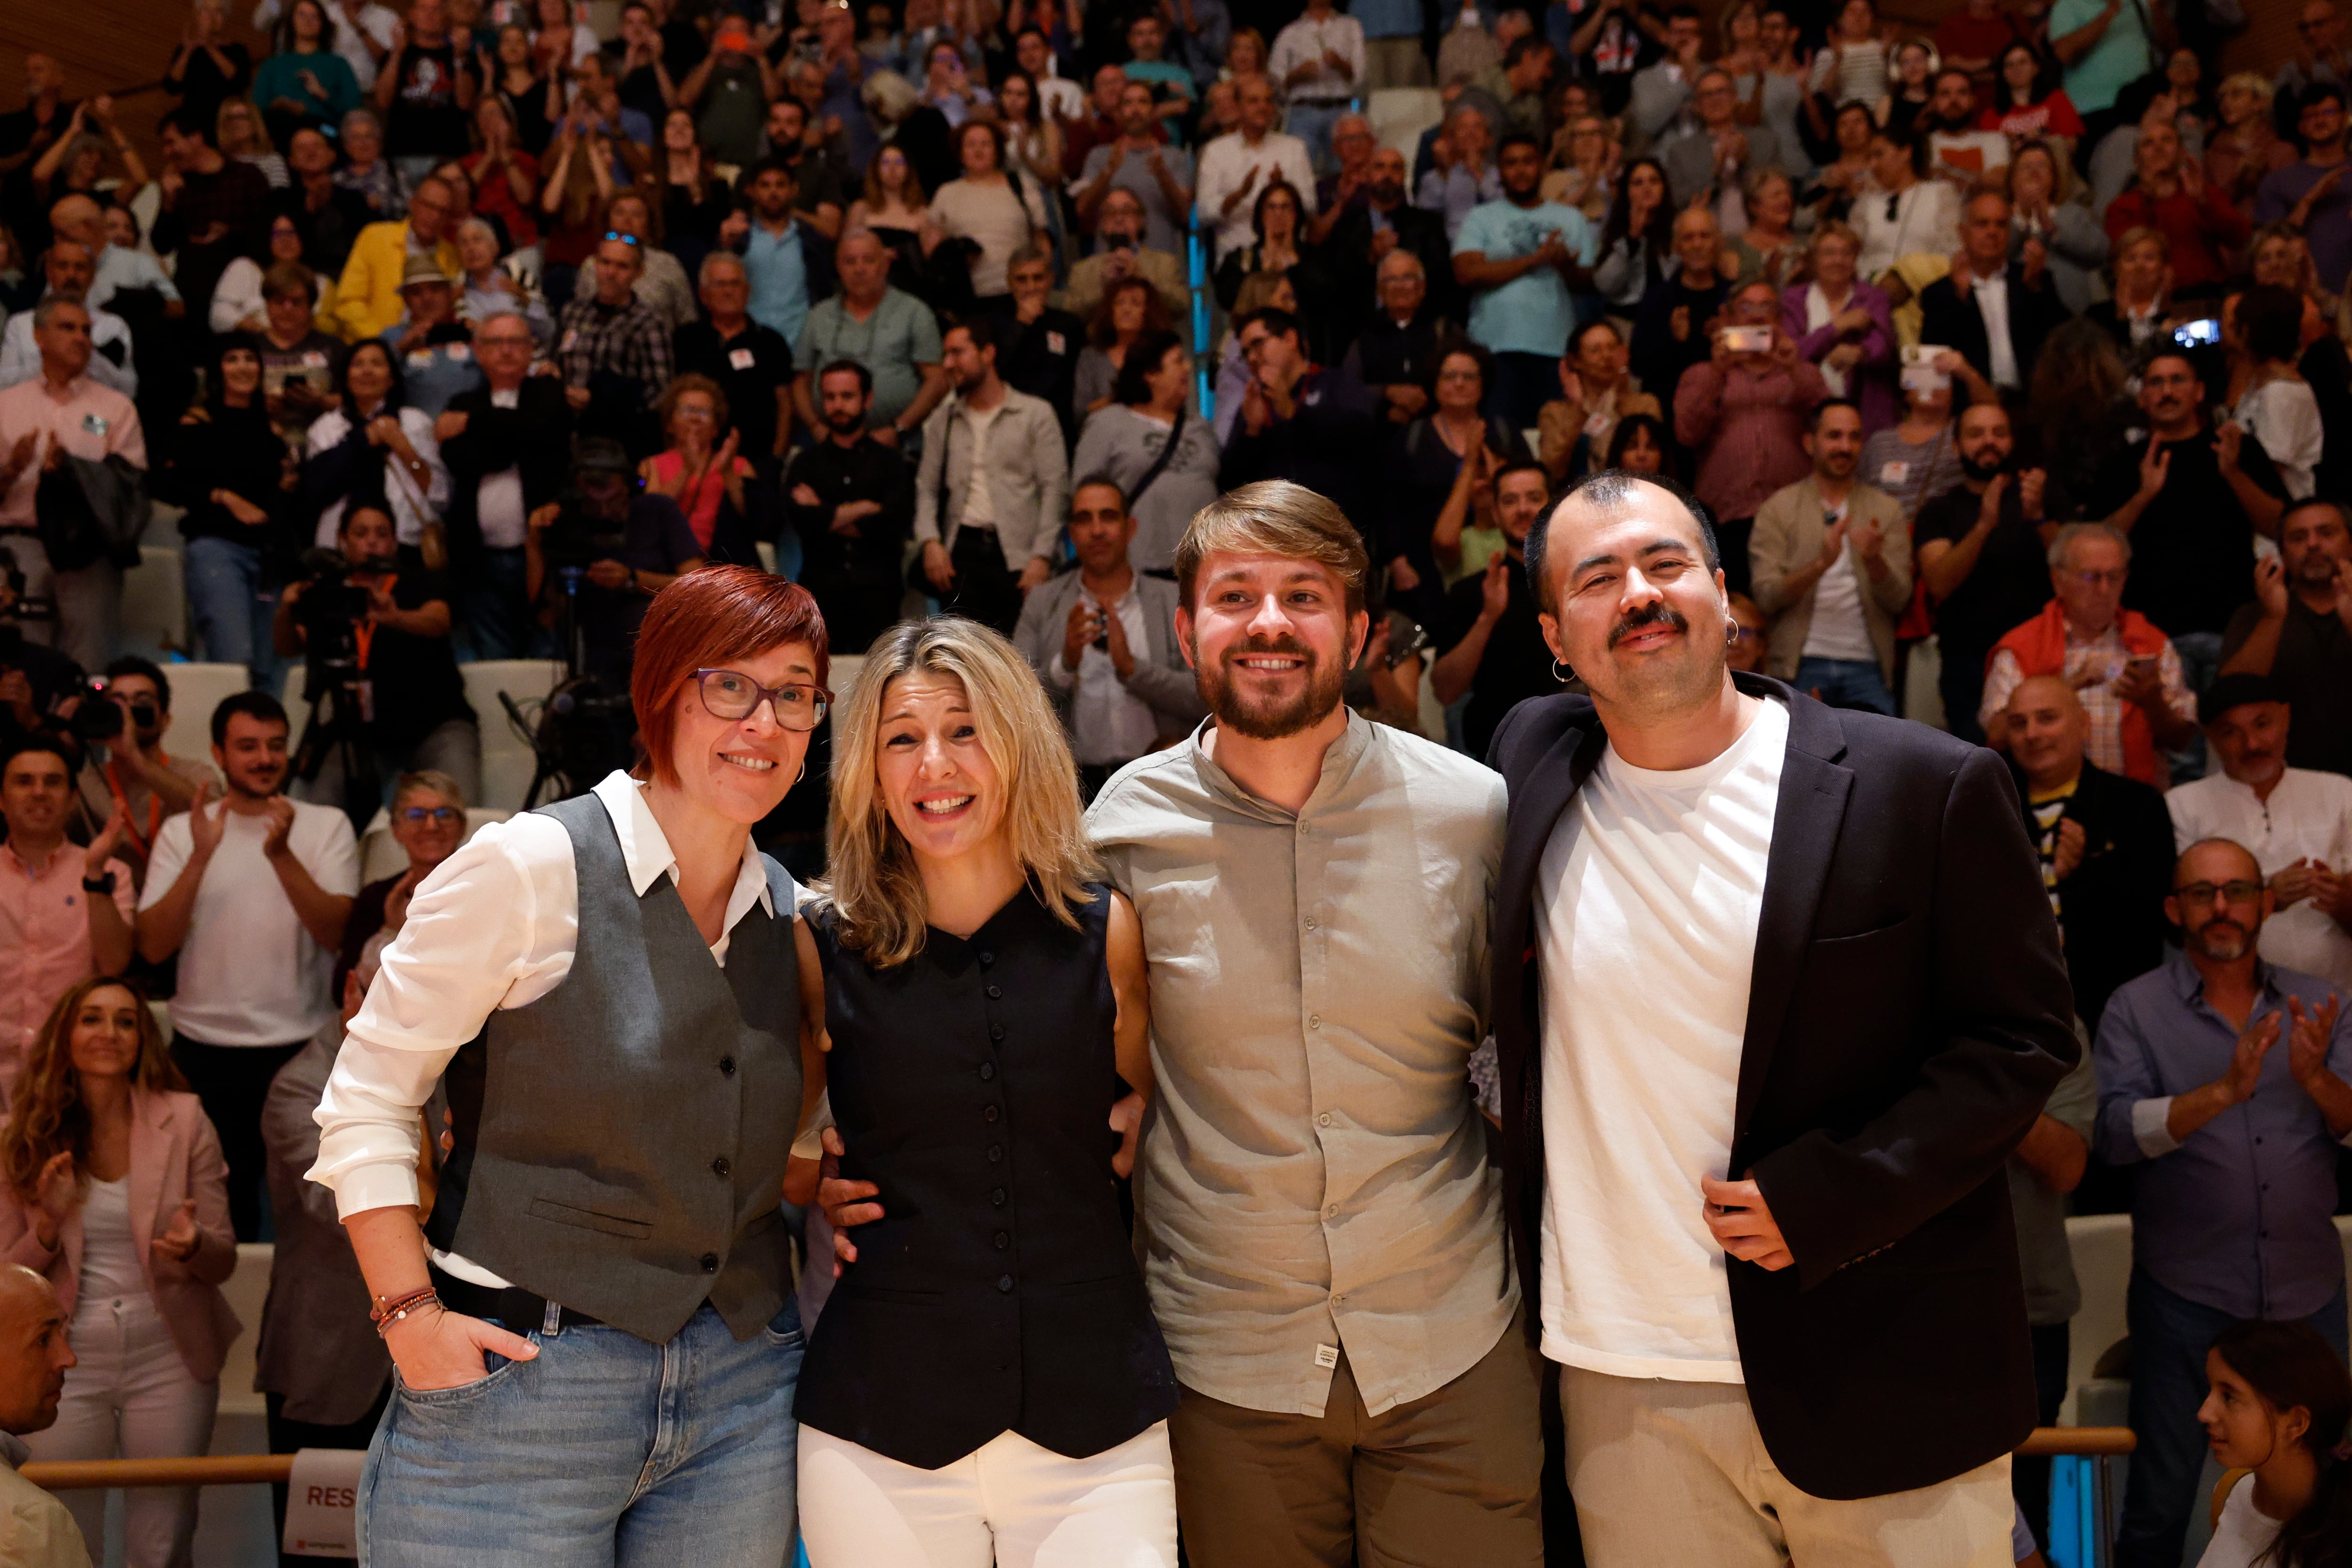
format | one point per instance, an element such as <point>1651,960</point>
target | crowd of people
<point>2001,368</point>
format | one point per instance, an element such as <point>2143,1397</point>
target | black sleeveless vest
<point>621,1142</point>
<point>999,1291</point>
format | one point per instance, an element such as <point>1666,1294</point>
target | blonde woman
<point>987,1375</point>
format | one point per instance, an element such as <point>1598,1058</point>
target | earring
<point>1561,673</point>
<point>1730,633</point>
<point>804,773</point>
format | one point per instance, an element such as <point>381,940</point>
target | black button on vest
<point>976,1309</point>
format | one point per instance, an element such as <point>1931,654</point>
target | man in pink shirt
<point>65,911</point>
<point>1743,414</point>
<point>62,414</point>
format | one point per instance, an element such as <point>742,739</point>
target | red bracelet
<point>397,1309</point>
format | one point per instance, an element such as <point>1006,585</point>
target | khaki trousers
<point>1452,1479</point>
<point>1669,1472</point>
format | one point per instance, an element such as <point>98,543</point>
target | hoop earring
<point>1730,636</point>
<point>1561,673</point>
<point>804,773</point>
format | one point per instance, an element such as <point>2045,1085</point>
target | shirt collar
<point>646,854</point>
<point>14,1450</point>
<point>1338,766</point>
<point>2189,985</point>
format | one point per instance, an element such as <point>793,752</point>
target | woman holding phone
<point>987,1378</point>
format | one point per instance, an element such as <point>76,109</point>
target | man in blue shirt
<point>2224,1079</point>
<point>1524,261</point>
<point>779,251</point>
<point>1393,55</point>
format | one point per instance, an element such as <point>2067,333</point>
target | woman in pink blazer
<point>111,1184</point>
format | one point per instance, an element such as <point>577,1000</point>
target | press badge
<point>1056,344</point>
<point>1326,1357</point>
<point>740,359</point>
<point>461,353</point>
<point>1894,473</point>
<point>421,360</point>
<point>1597,425</point>
<point>570,336</point>
<point>94,423</point>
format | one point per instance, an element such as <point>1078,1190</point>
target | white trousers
<point>131,1398</point>
<point>1009,1502</point>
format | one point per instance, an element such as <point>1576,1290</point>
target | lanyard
<point>122,801</point>
<point>363,632</point>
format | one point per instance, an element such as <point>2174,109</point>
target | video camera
<point>332,605</point>
<point>99,717</point>
<point>593,518</point>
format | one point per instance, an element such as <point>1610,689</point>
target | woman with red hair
<point>594,1332</point>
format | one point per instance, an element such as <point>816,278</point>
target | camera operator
<point>612,546</point>
<point>375,625</point>
<point>125,767</point>
<point>33,677</point>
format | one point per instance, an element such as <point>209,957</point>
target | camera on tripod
<point>100,719</point>
<point>330,608</point>
<point>579,536</point>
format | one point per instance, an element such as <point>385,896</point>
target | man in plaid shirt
<point>614,351</point>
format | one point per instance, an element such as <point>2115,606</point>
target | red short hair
<point>704,620</point>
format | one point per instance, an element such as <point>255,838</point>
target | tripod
<point>339,712</point>
<point>581,732</point>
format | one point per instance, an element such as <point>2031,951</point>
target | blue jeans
<point>2169,1337</point>
<point>1845,683</point>
<point>497,616</point>
<point>2200,662</point>
<point>225,599</point>
<point>1311,123</point>
<point>604,1452</point>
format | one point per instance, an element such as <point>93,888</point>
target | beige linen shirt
<point>36,1531</point>
<point>1314,1172</point>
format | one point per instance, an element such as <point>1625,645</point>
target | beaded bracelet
<point>397,1309</point>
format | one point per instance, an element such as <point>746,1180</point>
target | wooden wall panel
<point>106,45</point>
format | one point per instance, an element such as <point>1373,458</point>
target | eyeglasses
<point>2101,579</point>
<point>2228,892</point>
<point>730,695</point>
<point>444,815</point>
<point>609,234</point>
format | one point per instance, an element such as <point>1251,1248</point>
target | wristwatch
<point>100,884</point>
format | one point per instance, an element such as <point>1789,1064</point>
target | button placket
<point>992,1115</point>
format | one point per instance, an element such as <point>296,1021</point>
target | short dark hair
<point>1953,70</point>
<point>192,123</point>
<point>772,164</point>
<point>1098,480</point>
<point>2173,351</point>
<point>22,741</point>
<point>147,669</point>
<point>2315,92</point>
<point>980,327</point>
<point>1521,466</point>
<point>1518,139</point>
<point>1814,419</point>
<point>848,367</point>
<point>1279,322</point>
<point>1609,487</point>
<point>258,705</point>
<point>1913,147</point>
<point>1521,47</point>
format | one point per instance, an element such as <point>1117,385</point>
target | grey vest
<point>621,1142</point>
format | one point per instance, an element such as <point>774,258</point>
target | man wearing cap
<point>2295,822</point>
<point>368,298</point>
<point>433,349</point>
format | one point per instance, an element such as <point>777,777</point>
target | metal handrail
<point>197,1470</point>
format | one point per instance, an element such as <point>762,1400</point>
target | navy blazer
<point>1908,1016</point>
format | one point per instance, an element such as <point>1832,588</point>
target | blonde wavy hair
<point>48,1117</point>
<point>872,883</point>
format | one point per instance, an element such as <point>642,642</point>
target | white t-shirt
<point>1648,898</point>
<point>2307,817</point>
<point>249,973</point>
<point>2283,416</point>
<point>109,1251</point>
<point>2242,1533</point>
<point>978,501</point>
<point>1839,629</point>
<point>1968,155</point>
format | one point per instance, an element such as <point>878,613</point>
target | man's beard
<point>1272,721</point>
<point>844,424</point>
<point>1388,193</point>
<point>1983,472</point>
<point>2223,941</point>
<point>1953,126</point>
<point>2316,569</point>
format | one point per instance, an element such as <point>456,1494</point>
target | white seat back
<point>155,604</point>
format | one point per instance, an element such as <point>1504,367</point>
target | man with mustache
<point>2298,631</point>
<point>2222,1078</point>
<point>1777,991</point>
<point>2297,822</point>
<point>1322,1231</point>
